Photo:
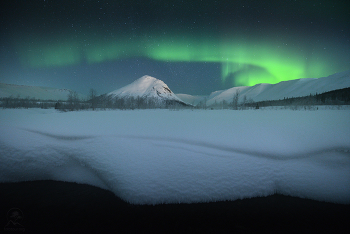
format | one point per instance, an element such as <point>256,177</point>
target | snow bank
<point>161,156</point>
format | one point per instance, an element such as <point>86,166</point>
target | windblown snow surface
<point>162,156</point>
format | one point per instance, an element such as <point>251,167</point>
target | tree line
<point>25,102</point>
<point>105,101</point>
<point>335,97</point>
<point>94,101</point>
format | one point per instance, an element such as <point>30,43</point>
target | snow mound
<point>161,156</point>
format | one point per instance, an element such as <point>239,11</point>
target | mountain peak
<point>144,83</point>
<point>147,77</point>
<point>146,87</point>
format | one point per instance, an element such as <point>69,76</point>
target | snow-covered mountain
<point>284,89</point>
<point>43,93</point>
<point>146,87</point>
<point>192,99</point>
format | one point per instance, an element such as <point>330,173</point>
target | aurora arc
<point>250,62</point>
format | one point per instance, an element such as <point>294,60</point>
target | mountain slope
<point>192,99</point>
<point>284,89</point>
<point>146,87</point>
<point>43,93</point>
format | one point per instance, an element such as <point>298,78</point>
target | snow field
<point>162,156</point>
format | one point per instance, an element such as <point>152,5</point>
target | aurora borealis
<point>195,47</point>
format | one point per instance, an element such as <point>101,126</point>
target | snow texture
<point>162,156</point>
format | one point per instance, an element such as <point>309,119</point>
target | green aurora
<point>195,46</point>
<point>249,61</point>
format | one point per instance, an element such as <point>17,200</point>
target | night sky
<point>195,47</point>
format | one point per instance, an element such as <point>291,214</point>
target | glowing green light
<point>246,62</point>
<point>237,57</point>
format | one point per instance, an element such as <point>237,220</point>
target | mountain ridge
<point>36,92</point>
<point>284,89</point>
<point>150,87</point>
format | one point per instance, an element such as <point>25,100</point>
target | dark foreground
<point>60,207</point>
